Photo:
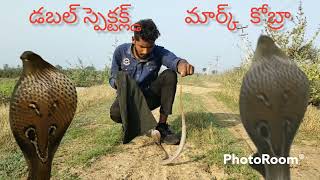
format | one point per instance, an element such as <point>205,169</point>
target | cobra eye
<point>52,130</point>
<point>263,130</point>
<point>31,134</point>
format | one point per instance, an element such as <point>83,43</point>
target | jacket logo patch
<point>126,61</point>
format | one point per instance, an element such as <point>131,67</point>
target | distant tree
<point>59,67</point>
<point>90,68</point>
<point>204,70</point>
<point>293,41</point>
<point>5,67</point>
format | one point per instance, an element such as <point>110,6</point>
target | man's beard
<point>139,55</point>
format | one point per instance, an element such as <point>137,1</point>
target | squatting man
<point>141,60</point>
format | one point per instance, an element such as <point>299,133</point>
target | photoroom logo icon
<point>264,159</point>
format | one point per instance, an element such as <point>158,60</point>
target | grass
<point>91,135</point>
<point>228,97</point>
<point>12,165</point>
<point>6,89</point>
<point>211,138</point>
<point>6,138</point>
<point>309,129</point>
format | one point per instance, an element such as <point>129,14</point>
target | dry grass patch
<point>311,120</point>
<point>90,96</point>
<point>6,137</point>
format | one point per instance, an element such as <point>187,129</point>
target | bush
<point>313,73</point>
<point>294,43</point>
<point>86,76</point>
<point>10,72</point>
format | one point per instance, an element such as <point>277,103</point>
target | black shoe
<point>167,136</point>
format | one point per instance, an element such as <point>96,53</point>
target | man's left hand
<point>184,68</point>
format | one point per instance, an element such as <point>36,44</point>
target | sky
<point>200,45</point>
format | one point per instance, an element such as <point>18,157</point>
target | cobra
<point>42,106</point>
<point>273,99</point>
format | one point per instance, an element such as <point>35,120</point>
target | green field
<point>6,89</point>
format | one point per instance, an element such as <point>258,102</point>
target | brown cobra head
<point>273,99</point>
<point>41,109</point>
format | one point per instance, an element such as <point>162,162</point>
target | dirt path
<point>307,169</point>
<point>141,159</point>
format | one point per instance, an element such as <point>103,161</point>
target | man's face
<point>142,48</point>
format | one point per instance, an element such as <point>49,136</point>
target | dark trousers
<point>161,93</point>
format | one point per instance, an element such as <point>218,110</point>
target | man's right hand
<point>184,68</point>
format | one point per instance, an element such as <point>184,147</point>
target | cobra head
<point>32,62</point>
<point>273,100</point>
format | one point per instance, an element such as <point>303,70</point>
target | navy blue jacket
<point>143,72</point>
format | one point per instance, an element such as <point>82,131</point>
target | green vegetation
<point>86,76</point>
<point>6,89</point>
<point>81,75</point>
<point>10,72</point>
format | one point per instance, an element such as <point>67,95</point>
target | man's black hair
<point>149,31</point>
